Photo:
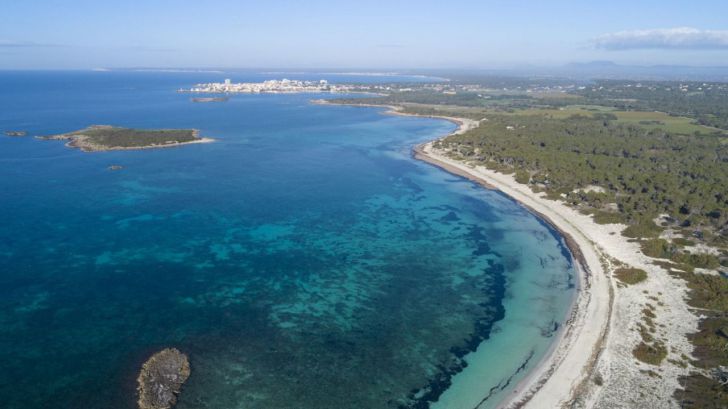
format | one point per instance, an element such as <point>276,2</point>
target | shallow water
<point>303,260</point>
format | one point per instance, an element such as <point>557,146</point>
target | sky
<point>81,34</point>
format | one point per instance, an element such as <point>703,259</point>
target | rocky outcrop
<point>161,379</point>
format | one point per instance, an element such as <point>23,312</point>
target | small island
<point>210,99</point>
<point>161,379</point>
<point>107,138</point>
<point>16,133</point>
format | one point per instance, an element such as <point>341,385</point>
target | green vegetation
<point>650,350</point>
<point>700,260</point>
<point>522,176</point>
<point>101,137</point>
<point>606,217</point>
<point>652,354</point>
<point>642,119</point>
<point>706,102</point>
<point>657,248</point>
<point>642,173</point>
<point>470,104</point>
<point>126,137</point>
<point>709,293</point>
<point>682,241</point>
<point>700,392</point>
<point>669,123</point>
<point>660,248</point>
<point>630,275</point>
<point>642,227</point>
<point>465,99</point>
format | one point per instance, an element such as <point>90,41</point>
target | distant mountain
<point>586,71</point>
<point>611,70</point>
<point>593,64</point>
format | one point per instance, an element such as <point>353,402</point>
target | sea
<point>303,260</point>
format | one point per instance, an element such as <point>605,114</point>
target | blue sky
<point>372,34</point>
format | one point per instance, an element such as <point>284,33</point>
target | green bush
<point>630,275</point>
<point>701,260</point>
<point>651,354</point>
<point>602,217</point>
<point>658,248</point>
<point>700,392</point>
<point>642,228</point>
<point>523,176</point>
<point>679,241</point>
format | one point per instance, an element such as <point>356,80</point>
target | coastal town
<point>287,86</point>
<point>284,86</point>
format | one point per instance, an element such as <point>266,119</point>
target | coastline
<point>572,357</point>
<point>89,148</point>
<point>464,124</point>
<point>591,363</point>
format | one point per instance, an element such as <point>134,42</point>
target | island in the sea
<point>16,133</point>
<point>107,138</point>
<point>161,379</point>
<point>210,99</point>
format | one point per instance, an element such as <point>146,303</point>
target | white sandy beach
<point>574,354</point>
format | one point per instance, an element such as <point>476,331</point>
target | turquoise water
<point>303,260</point>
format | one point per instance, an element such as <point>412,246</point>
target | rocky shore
<point>161,378</point>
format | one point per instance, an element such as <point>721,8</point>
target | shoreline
<point>592,362</point>
<point>87,148</point>
<point>572,358</point>
<point>83,142</point>
<point>464,124</point>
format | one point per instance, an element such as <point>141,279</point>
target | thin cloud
<point>16,45</point>
<point>685,38</point>
<point>26,44</point>
<point>155,49</point>
<point>391,45</point>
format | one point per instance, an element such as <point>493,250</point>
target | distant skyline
<point>81,34</point>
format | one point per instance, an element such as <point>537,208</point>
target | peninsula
<point>107,138</point>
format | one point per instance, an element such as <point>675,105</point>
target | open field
<point>646,119</point>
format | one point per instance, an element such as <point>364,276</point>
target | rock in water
<point>161,379</point>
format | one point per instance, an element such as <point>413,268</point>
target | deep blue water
<point>303,257</point>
